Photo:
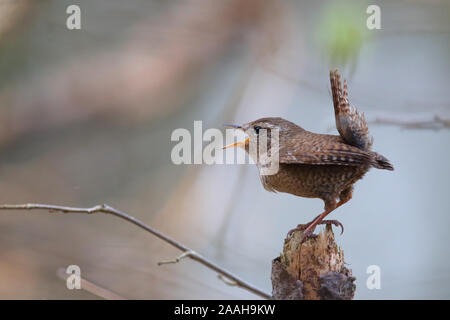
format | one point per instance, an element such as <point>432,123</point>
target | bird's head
<point>254,128</point>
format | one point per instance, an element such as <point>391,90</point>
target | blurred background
<point>86,118</point>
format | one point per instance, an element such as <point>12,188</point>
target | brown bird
<point>315,165</point>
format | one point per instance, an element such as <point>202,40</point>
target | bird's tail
<point>381,162</point>
<point>351,124</point>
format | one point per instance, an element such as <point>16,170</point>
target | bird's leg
<point>308,229</point>
<point>344,197</point>
<point>330,205</point>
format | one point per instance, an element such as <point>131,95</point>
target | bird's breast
<point>312,181</point>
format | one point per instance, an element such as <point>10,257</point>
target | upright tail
<point>381,162</point>
<point>351,124</point>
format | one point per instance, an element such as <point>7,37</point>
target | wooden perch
<point>313,270</point>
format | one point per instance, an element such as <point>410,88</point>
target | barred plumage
<point>320,165</point>
<point>352,125</point>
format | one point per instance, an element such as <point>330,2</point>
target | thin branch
<point>110,210</point>
<point>92,287</point>
<point>436,123</point>
<point>177,259</point>
<point>227,282</point>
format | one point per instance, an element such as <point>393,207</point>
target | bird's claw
<point>308,231</point>
<point>300,227</point>
<point>336,223</point>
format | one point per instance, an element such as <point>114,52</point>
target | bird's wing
<point>352,125</point>
<point>319,149</point>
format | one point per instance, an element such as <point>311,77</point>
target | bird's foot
<point>336,223</point>
<point>308,233</point>
<point>309,228</point>
<point>300,227</point>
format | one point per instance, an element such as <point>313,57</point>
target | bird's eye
<point>257,128</point>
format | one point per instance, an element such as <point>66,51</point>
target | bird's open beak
<point>242,143</point>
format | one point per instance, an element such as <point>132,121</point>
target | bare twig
<point>187,252</point>
<point>436,123</point>
<point>177,259</point>
<point>227,282</point>
<point>92,287</point>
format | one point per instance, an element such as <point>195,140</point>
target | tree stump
<point>314,270</point>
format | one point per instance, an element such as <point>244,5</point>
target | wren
<point>316,165</point>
